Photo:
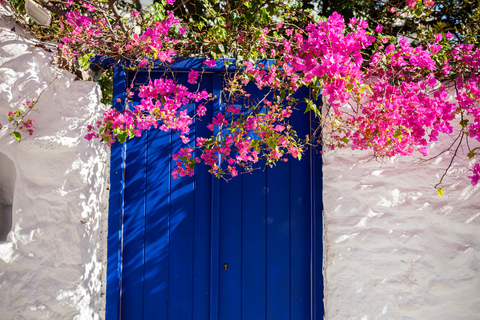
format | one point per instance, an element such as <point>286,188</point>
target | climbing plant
<point>384,92</point>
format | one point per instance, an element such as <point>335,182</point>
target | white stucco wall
<point>52,264</point>
<point>393,248</point>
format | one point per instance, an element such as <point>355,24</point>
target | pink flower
<point>411,3</point>
<point>89,7</point>
<point>192,76</point>
<point>170,1</point>
<point>182,30</point>
<point>476,174</point>
<point>201,110</point>
<point>429,3</point>
<point>210,62</point>
<point>68,3</point>
<point>438,37</point>
<point>135,14</point>
<point>392,10</point>
<point>363,24</point>
<point>449,36</point>
<point>232,109</point>
<point>143,63</point>
<point>379,29</point>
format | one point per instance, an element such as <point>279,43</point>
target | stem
<point>51,7</point>
<point>451,161</point>
<point>111,3</point>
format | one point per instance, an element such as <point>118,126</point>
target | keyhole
<point>225,266</point>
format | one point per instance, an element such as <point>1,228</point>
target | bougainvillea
<point>394,101</point>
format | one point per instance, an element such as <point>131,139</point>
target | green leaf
<point>84,61</point>
<point>418,11</point>
<point>472,153</point>
<point>17,136</point>
<point>464,123</point>
<point>191,164</point>
<point>121,135</point>
<point>440,191</point>
<point>345,139</point>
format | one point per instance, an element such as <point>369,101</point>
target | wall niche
<point>7,187</point>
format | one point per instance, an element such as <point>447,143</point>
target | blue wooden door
<point>200,248</point>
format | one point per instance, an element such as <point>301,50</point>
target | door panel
<point>206,249</point>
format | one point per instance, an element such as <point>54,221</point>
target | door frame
<point>116,213</point>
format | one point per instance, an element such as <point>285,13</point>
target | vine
<point>382,93</point>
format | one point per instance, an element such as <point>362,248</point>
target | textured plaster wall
<point>394,249</point>
<point>52,264</point>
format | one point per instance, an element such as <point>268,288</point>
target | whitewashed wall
<point>52,264</point>
<point>393,248</point>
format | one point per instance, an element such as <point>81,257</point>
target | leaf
<point>121,135</point>
<point>17,136</point>
<point>440,191</point>
<point>464,123</point>
<point>472,153</point>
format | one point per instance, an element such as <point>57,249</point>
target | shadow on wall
<point>7,187</point>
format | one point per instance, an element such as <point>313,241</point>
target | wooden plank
<point>180,291</point>
<point>278,242</point>
<point>301,240</point>
<point>253,245</point>
<point>215,220</point>
<point>202,222</point>
<point>157,237</point>
<point>230,250</point>
<point>134,230</point>
<point>112,311</point>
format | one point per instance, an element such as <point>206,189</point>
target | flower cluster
<point>394,101</point>
<point>19,122</point>
<point>164,105</point>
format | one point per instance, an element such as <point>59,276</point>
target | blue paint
<point>117,163</point>
<point>200,248</point>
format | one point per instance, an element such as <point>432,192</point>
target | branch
<point>451,161</point>
<point>111,3</point>
<point>51,7</point>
